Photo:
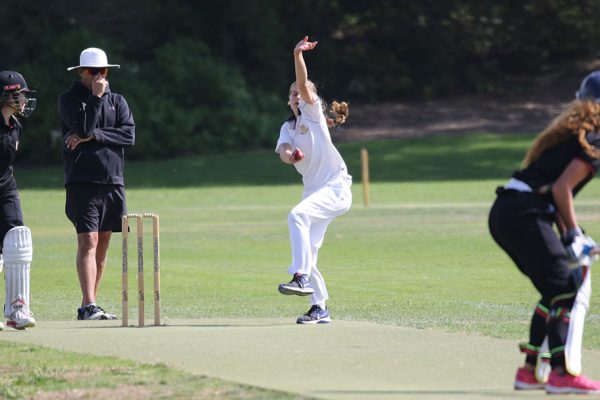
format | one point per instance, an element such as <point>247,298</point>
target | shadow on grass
<point>434,158</point>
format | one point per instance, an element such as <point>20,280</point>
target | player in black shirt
<point>15,239</point>
<point>538,198</point>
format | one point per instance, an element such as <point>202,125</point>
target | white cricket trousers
<point>308,222</point>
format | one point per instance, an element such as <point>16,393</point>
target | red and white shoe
<point>21,320</point>
<point>525,380</point>
<point>567,383</point>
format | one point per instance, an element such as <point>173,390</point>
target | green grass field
<point>419,256</point>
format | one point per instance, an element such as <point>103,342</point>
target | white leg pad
<point>18,253</point>
<point>576,324</point>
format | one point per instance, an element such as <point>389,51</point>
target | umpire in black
<point>96,126</point>
<point>538,198</point>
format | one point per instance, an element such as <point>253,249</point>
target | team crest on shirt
<point>302,129</point>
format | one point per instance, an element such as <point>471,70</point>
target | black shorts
<point>94,207</point>
<point>11,214</point>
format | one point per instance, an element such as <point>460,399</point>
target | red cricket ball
<point>298,155</point>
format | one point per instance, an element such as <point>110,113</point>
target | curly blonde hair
<point>337,113</point>
<point>580,118</point>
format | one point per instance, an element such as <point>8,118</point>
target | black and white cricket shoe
<point>93,312</point>
<point>108,315</point>
<point>316,315</point>
<point>299,285</point>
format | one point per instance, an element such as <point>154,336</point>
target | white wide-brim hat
<point>93,58</point>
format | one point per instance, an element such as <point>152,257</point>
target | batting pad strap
<point>17,246</point>
<point>557,350</point>
<point>529,349</point>
<point>562,297</point>
<point>541,310</point>
<point>532,350</point>
<point>560,313</point>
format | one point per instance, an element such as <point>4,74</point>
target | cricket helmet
<point>590,87</point>
<point>12,87</point>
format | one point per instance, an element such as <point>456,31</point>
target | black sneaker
<point>93,312</point>
<point>299,285</point>
<point>107,315</point>
<point>316,315</point>
<point>80,314</point>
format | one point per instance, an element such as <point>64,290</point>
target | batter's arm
<point>562,191</point>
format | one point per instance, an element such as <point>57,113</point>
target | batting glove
<point>580,248</point>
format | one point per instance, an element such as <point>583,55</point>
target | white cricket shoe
<point>21,319</point>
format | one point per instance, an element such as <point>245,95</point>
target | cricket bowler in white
<point>305,142</point>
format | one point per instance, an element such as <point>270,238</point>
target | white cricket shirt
<point>322,163</point>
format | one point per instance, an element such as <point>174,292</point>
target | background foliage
<point>204,76</point>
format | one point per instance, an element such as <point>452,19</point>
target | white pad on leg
<point>18,253</point>
<point>576,324</point>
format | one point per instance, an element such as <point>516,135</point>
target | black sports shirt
<point>553,161</point>
<point>8,150</point>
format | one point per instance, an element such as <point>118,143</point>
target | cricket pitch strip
<point>341,360</point>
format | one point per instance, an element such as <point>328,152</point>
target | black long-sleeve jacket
<point>109,120</point>
<point>9,138</point>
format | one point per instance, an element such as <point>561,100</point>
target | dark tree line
<point>205,76</point>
